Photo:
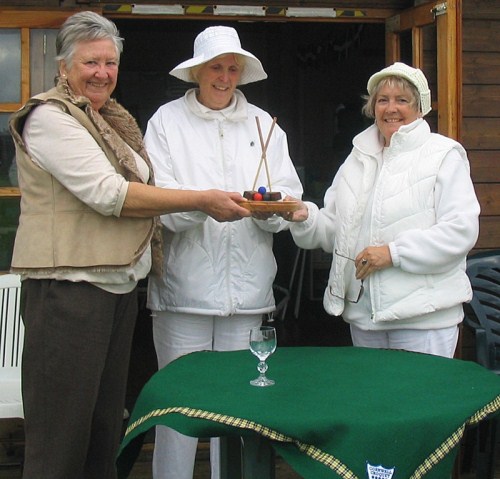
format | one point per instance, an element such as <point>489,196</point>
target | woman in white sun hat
<point>218,278</point>
<point>399,218</point>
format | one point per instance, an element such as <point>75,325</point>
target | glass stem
<point>262,368</point>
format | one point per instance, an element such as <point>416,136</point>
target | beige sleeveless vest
<point>56,230</point>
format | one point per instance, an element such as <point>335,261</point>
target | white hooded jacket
<point>216,268</point>
<point>428,245</point>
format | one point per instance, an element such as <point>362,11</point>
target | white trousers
<point>440,342</point>
<point>176,334</point>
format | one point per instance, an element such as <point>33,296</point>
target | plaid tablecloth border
<point>313,452</point>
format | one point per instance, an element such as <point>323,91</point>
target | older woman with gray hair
<point>87,234</point>
<point>400,218</point>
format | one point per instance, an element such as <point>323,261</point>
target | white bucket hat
<point>215,41</point>
<point>413,75</point>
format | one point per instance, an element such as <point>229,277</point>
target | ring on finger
<point>364,261</point>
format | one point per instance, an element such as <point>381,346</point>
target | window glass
<point>8,171</point>
<point>9,207</point>
<point>9,219</point>
<point>10,65</point>
<point>43,67</point>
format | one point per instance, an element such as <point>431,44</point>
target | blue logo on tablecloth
<point>379,472</point>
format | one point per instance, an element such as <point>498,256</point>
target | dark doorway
<point>317,75</point>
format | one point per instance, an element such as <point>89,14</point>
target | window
<point>27,67</point>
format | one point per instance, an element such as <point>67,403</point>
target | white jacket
<point>216,268</point>
<point>429,221</point>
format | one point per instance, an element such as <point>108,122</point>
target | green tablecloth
<point>333,412</point>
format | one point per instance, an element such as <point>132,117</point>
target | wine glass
<point>262,345</point>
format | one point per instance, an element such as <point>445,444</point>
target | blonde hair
<point>392,81</point>
<point>239,59</point>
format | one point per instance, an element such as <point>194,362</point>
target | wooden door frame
<point>447,16</point>
<point>25,19</point>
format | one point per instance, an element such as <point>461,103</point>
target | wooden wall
<point>481,110</point>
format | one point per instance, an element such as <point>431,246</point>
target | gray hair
<point>82,27</point>
<point>393,81</point>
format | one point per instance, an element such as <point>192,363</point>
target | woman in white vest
<point>399,218</point>
<point>86,237</point>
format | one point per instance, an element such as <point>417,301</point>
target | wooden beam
<point>9,192</point>
<point>25,65</point>
<point>270,11</point>
<point>36,17</point>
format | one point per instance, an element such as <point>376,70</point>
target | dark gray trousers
<point>75,363</point>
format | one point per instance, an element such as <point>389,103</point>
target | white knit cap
<point>215,41</point>
<point>413,75</point>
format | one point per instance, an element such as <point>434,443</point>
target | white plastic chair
<point>11,345</point>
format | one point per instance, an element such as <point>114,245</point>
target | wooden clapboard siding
<point>481,9</point>
<point>485,165</point>
<point>489,197</point>
<point>481,110</point>
<point>489,237</point>
<point>480,68</point>
<point>481,35</point>
<point>481,100</point>
<point>481,133</point>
